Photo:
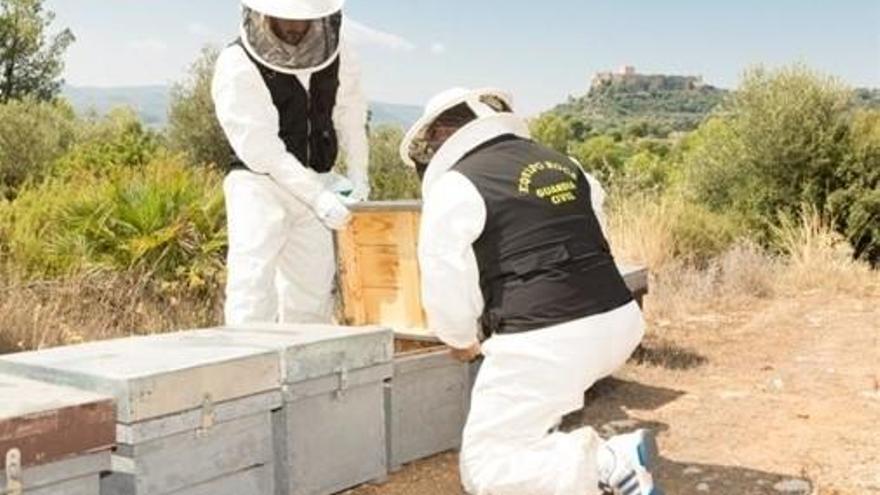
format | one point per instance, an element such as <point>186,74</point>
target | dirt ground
<point>781,396</point>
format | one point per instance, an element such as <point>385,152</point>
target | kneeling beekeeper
<point>512,237</point>
<point>287,93</point>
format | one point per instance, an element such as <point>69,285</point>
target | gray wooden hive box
<point>330,434</point>
<point>428,401</point>
<point>193,409</point>
<point>53,440</point>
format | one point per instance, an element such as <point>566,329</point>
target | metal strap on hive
<point>342,373</point>
<point>14,485</point>
<point>208,418</point>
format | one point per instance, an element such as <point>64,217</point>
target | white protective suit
<point>528,381</point>
<point>281,264</point>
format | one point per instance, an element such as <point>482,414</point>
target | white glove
<point>350,190</point>
<point>360,192</point>
<point>331,211</point>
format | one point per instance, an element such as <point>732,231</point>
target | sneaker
<point>629,472</point>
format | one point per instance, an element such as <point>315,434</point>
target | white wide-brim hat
<point>296,9</point>
<point>484,102</point>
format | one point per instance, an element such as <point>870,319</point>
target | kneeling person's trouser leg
<point>527,383</point>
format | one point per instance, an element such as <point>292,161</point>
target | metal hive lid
<point>314,351</point>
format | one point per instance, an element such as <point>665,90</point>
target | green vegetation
<point>118,203</point>
<point>32,136</point>
<point>390,178</point>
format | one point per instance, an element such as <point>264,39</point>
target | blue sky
<point>541,51</point>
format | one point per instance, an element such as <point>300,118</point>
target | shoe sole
<point>648,453</point>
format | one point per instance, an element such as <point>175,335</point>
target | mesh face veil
<point>316,49</point>
<point>454,122</point>
<point>430,138</point>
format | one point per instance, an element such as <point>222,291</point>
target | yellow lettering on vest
<point>563,198</point>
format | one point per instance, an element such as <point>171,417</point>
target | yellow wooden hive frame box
<point>379,278</point>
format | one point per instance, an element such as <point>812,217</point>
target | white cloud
<point>438,48</point>
<point>148,45</point>
<point>361,35</point>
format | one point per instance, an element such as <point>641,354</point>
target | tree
<point>192,125</point>
<point>33,135</point>
<point>30,63</point>
<point>778,144</point>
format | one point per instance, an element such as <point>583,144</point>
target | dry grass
<point>814,258</point>
<point>36,315</point>
<point>741,274</point>
<point>640,230</point>
<point>820,259</point>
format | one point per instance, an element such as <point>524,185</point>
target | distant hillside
<point>151,103</point>
<point>394,114</point>
<point>630,103</point>
<point>869,98</point>
<point>643,104</point>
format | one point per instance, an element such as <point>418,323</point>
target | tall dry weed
<point>659,230</point>
<point>818,258</point>
<point>743,273</point>
<point>39,314</point>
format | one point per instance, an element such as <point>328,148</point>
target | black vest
<point>305,118</point>
<point>542,257</point>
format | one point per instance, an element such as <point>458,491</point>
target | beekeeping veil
<point>476,116</point>
<point>320,27</point>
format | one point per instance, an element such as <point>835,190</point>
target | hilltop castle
<point>627,77</point>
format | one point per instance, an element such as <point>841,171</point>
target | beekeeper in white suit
<point>511,237</point>
<point>287,95</point>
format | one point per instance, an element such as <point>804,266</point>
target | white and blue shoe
<point>628,464</point>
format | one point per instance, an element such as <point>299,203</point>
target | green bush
<point>856,205</point>
<point>552,131</point>
<point>390,178</point>
<point>645,171</point>
<point>32,135</point>
<point>701,234</point>
<point>103,144</point>
<point>165,219</point>
<point>602,156</point>
<point>712,171</point>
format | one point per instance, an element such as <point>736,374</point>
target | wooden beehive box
<point>379,269</point>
